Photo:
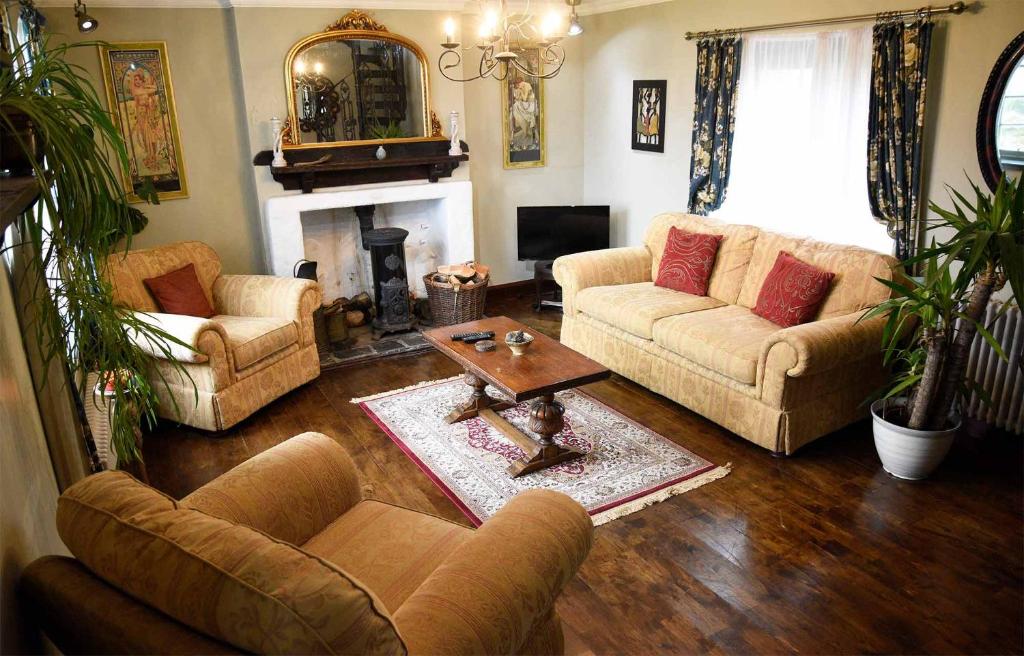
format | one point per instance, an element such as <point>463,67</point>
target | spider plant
<point>934,320</point>
<point>80,219</point>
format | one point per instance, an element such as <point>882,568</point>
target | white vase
<point>905,452</point>
<point>381,153</point>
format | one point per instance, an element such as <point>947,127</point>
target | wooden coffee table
<point>546,367</point>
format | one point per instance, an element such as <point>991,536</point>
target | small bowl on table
<point>518,347</point>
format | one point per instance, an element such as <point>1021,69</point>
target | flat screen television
<point>546,233</point>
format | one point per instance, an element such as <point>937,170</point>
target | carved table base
<point>546,419</point>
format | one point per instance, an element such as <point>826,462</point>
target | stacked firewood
<point>466,275</point>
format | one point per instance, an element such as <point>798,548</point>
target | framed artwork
<point>649,115</point>
<point>522,113</point>
<point>137,78</point>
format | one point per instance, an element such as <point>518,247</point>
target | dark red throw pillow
<point>179,292</point>
<point>687,261</point>
<point>792,291</point>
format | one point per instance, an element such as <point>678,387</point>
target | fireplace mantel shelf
<point>419,160</point>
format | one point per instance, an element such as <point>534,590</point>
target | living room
<point>585,326</point>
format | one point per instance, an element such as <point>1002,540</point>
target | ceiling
<point>585,8</point>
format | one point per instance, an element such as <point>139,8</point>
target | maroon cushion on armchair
<point>179,292</point>
<point>792,291</point>
<point>687,261</point>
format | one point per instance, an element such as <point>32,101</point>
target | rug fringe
<point>661,495</point>
<point>426,383</point>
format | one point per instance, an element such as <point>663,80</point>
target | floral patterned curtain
<point>899,77</point>
<point>714,117</point>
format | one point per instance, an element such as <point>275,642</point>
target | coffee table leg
<point>477,402</point>
<point>547,420</point>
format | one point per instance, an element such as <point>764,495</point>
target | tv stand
<point>542,275</point>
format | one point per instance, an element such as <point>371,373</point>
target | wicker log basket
<point>457,294</point>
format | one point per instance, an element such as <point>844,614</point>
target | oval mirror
<point>357,82</point>
<point>1000,132</point>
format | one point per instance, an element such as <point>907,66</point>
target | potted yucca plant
<point>934,320</point>
<point>51,113</point>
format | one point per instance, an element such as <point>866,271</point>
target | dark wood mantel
<point>312,168</point>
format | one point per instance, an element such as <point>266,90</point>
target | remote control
<point>470,338</point>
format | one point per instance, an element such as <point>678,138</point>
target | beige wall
<point>227,69</point>
<point>497,191</point>
<point>28,488</point>
<point>221,209</point>
<point>648,43</point>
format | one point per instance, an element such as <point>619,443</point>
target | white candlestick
<point>456,148</point>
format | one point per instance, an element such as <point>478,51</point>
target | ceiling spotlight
<point>86,23</point>
<point>575,29</point>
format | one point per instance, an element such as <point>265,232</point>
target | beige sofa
<point>284,555</point>
<point>258,346</point>
<point>777,387</point>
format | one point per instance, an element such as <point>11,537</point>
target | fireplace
<point>380,240</point>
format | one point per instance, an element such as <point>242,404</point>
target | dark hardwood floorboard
<point>822,552</point>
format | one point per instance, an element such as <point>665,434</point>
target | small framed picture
<point>649,115</point>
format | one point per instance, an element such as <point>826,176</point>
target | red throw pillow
<point>179,292</point>
<point>687,261</point>
<point>792,291</point>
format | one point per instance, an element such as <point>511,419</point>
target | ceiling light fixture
<point>575,29</point>
<point>86,23</point>
<point>502,38</point>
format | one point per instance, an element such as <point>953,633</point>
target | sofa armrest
<point>492,591</point>
<point>200,339</point>
<point>269,296</point>
<point>613,266</point>
<point>822,345</point>
<point>290,492</point>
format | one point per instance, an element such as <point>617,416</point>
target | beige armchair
<point>258,346</point>
<point>283,554</point>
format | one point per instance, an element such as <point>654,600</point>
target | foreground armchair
<point>257,346</point>
<point>284,555</point>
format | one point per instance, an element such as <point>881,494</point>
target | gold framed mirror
<point>357,83</point>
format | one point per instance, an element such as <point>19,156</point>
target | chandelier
<point>503,40</point>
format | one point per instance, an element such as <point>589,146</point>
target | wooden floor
<point>820,553</point>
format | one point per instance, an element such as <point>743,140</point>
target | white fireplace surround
<point>452,214</point>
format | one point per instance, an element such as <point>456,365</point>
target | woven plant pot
<point>450,306</point>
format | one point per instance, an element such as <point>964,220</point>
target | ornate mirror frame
<point>991,98</point>
<point>357,25</point>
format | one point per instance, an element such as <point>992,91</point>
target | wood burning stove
<point>390,281</point>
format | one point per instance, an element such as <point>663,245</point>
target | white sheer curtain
<point>800,148</point>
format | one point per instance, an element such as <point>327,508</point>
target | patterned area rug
<point>627,467</point>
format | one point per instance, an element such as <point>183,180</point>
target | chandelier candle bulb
<point>449,34</point>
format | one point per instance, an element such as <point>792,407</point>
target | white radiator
<point>1002,380</point>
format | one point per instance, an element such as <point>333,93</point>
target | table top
<point>546,367</point>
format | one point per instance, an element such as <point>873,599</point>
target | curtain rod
<point>955,8</point>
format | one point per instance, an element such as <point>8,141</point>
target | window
<point>799,162</point>
<point>1010,123</point>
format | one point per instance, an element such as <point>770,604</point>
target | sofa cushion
<point>389,549</point>
<point>792,292</point>
<point>733,253</point>
<point>726,340</point>
<point>225,580</point>
<point>635,307</point>
<point>180,292</point>
<point>854,287</point>
<point>126,270</point>
<point>254,338</point>
<point>766,251</point>
<point>687,261</point>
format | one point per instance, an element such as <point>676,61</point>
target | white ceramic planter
<point>907,453</point>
